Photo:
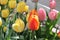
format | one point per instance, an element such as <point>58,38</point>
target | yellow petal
<point>0,21</point>
<point>12,4</point>
<point>4,2</point>
<point>5,13</point>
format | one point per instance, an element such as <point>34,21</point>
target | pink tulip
<point>41,14</point>
<point>52,14</point>
<point>51,0</point>
<point>52,4</point>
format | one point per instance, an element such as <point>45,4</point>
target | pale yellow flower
<point>4,2</point>
<point>20,7</point>
<point>0,21</point>
<point>4,29</point>
<point>12,4</point>
<point>5,13</point>
<point>18,26</point>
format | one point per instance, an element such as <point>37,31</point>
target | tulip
<point>41,14</point>
<point>51,0</point>
<point>12,4</point>
<point>21,6</point>
<point>5,13</point>
<point>18,26</point>
<point>33,24</point>
<point>52,14</point>
<point>4,2</point>
<point>32,12</point>
<point>52,4</point>
<point>4,29</point>
<point>0,21</point>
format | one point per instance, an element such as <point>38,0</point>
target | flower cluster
<point>16,19</point>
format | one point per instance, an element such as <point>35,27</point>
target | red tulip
<point>32,12</point>
<point>33,23</point>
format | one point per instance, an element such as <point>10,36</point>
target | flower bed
<point>28,20</point>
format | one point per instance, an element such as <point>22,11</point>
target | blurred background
<point>46,2</point>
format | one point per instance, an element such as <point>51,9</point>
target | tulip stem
<point>36,5</point>
<point>34,35</point>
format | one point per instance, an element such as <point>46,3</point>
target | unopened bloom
<point>0,21</point>
<point>41,14</point>
<point>52,4</point>
<point>52,14</point>
<point>12,4</point>
<point>20,7</point>
<point>4,29</point>
<point>32,12</point>
<point>33,24</point>
<point>4,2</point>
<point>51,0</point>
<point>5,13</point>
<point>18,26</point>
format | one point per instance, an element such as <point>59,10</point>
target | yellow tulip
<point>5,13</point>
<point>0,21</point>
<point>18,26</point>
<point>0,1</point>
<point>20,7</point>
<point>4,29</point>
<point>26,8</point>
<point>27,17</point>
<point>12,4</point>
<point>0,8</point>
<point>4,2</point>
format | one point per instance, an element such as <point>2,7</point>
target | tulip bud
<point>33,12</point>
<point>21,6</point>
<point>33,24</point>
<point>12,4</point>
<point>18,26</point>
<point>52,4</point>
<point>41,14</point>
<point>4,2</point>
<point>4,29</point>
<point>0,21</point>
<point>5,13</point>
<point>52,14</point>
<point>51,0</point>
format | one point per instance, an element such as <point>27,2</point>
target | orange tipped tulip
<point>33,23</point>
<point>33,12</point>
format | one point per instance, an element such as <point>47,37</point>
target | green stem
<point>34,35</point>
<point>36,5</point>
